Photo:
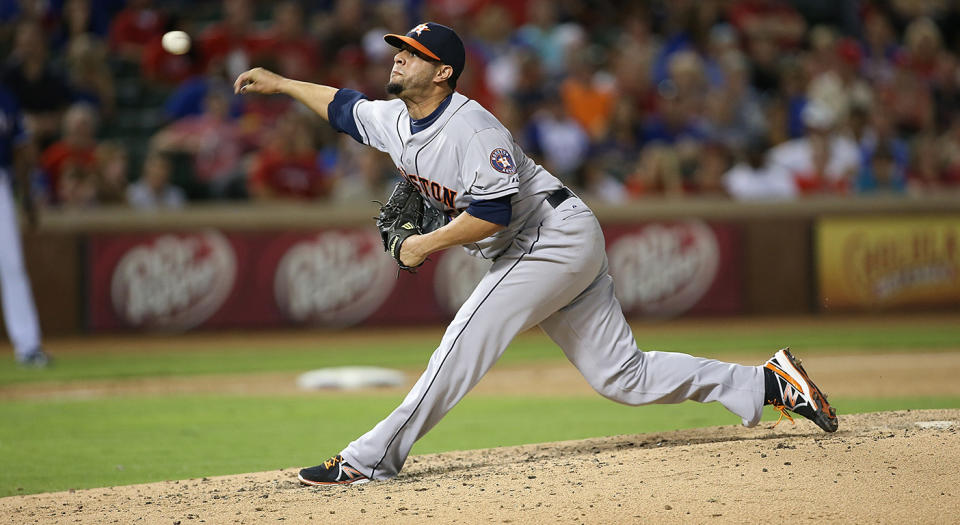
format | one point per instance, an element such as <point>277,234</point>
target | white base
<point>350,377</point>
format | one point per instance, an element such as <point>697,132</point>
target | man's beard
<point>394,88</point>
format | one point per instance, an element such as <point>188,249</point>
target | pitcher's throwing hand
<point>258,80</point>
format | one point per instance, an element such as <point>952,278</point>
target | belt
<point>558,197</point>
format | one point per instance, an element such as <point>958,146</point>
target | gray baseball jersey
<point>463,156</point>
<point>549,269</point>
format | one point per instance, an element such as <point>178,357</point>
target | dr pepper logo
<point>336,278</point>
<point>173,282</point>
<point>664,269</point>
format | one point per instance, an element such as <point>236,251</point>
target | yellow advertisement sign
<point>882,262</point>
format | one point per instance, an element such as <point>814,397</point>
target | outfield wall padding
<point>269,266</point>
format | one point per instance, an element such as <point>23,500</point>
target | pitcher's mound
<point>890,467</point>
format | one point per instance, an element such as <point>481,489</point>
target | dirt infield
<point>885,375</point>
<point>890,467</point>
<point>879,468</point>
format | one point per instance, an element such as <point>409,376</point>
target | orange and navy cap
<point>436,41</point>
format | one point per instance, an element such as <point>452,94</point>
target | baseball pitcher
<point>549,264</point>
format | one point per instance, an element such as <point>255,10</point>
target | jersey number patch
<point>501,161</point>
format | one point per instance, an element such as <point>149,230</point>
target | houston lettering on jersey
<point>428,188</point>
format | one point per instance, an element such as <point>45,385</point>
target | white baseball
<point>176,42</point>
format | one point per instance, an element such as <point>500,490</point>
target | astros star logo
<point>419,29</point>
<point>501,161</point>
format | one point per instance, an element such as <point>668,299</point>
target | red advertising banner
<point>341,277</point>
<point>675,268</point>
<point>210,279</point>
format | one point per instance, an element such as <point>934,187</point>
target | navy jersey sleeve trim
<point>493,194</point>
<point>340,112</point>
<point>497,211</point>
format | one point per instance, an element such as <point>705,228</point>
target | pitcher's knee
<point>611,389</point>
<point>626,385</point>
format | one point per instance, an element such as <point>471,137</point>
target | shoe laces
<point>328,464</point>
<point>783,413</point>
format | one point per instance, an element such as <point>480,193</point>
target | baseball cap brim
<point>397,41</point>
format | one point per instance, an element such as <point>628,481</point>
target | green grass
<point>57,445</point>
<point>48,445</point>
<point>188,362</point>
<point>828,338</point>
<point>412,351</point>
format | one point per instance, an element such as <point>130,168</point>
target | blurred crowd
<point>741,99</point>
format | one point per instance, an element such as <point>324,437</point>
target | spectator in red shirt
<point>949,146</point>
<point>631,63</point>
<point>214,142</point>
<point>775,19</point>
<point>925,173</point>
<point>134,27</point>
<point>824,160</point>
<point>707,178</point>
<point>923,47</point>
<point>112,166</point>
<point>932,68</point>
<point>70,164</point>
<point>767,27</point>
<point>90,177</point>
<point>232,41</point>
<point>656,173</point>
<point>287,44</point>
<point>289,166</point>
<point>909,100</point>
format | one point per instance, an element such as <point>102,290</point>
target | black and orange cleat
<point>334,471</point>
<point>790,388</point>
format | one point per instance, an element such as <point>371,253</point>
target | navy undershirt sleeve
<point>340,112</point>
<point>497,211</point>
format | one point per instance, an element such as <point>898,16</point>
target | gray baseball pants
<point>19,311</point>
<point>553,275</point>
